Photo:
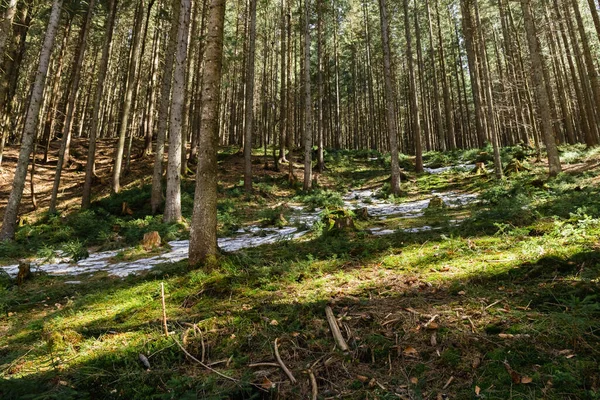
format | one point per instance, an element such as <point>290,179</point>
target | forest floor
<point>495,298</point>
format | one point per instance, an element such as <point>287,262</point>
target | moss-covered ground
<point>502,306</point>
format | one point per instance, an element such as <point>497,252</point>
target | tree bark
<point>91,158</point>
<point>203,232</point>
<point>414,106</point>
<point>5,26</point>
<point>9,222</point>
<point>128,98</point>
<point>249,117</point>
<point>537,64</point>
<point>389,100</point>
<point>156,197</point>
<point>307,185</point>
<point>173,199</point>
<point>63,154</point>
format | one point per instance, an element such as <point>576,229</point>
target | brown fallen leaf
<point>266,383</point>
<point>362,378</point>
<point>411,351</point>
<point>414,380</point>
<point>516,378</point>
<point>477,390</point>
<point>526,379</point>
<point>433,326</point>
<point>274,322</point>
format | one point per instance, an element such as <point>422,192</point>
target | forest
<point>300,199</point>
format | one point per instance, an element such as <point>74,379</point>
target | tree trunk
<point>156,197</point>
<point>10,213</point>
<point>203,232</point>
<point>307,102</point>
<point>414,106</point>
<point>283,121</point>
<point>91,158</point>
<point>128,98</point>
<point>537,64</point>
<point>320,125</point>
<point>63,154</point>
<point>173,199</point>
<point>5,26</point>
<point>389,100</point>
<point>249,117</point>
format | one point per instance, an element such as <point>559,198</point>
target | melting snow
<point>250,237</point>
<point>441,170</point>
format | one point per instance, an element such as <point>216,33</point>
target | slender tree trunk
<point>156,197</point>
<point>128,98</point>
<point>414,106</point>
<point>283,96</point>
<point>307,102</point>
<point>63,154</point>
<point>320,125</point>
<point>203,232</point>
<point>249,117</point>
<point>537,66</point>
<point>389,99</point>
<point>91,158</point>
<point>595,17</point>
<point>9,222</point>
<point>6,25</point>
<point>173,199</point>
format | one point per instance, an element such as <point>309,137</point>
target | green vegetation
<point>512,288</point>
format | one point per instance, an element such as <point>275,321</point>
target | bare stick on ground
<point>202,364</point>
<point>313,385</point>
<point>282,365</point>
<point>164,309</point>
<point>335,329</point>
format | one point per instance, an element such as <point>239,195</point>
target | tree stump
<point>436,202</point>
<point>24,272</point>
<point>151,240</point>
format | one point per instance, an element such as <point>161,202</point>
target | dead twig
<point>335,329</point>
<point>313,385</point>
<point>264,364</point>
<point>493,304</point>
<point>164,309</point>
<point>449,382</point>
<point>281,363</point>
<point>204,365</point>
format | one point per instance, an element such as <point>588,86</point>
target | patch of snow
<point>441,170</point>
<point>249,237</point>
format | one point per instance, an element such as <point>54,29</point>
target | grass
<point>450,311</point>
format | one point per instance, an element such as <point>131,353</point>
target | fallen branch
<point>204,365</point>
<point>263,364</point>
<point>449,382</point>
<point>493,304</point>
<point>313,385</point>
<point>335,329</point>
<point>164,309</point>
<point>282,365</point>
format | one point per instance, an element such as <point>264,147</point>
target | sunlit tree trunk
<point>537,64</point>
<point>249,117</point>
<point>307,102</point>
<point>203,232</point>
<point>91,158</point>
<point>63,155</point>
<point>389,100</point>
<point>414,106</point>
<point>156,197</point>
<point>9,222</point>
<point>173,197</point>
<point>128,97</point>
